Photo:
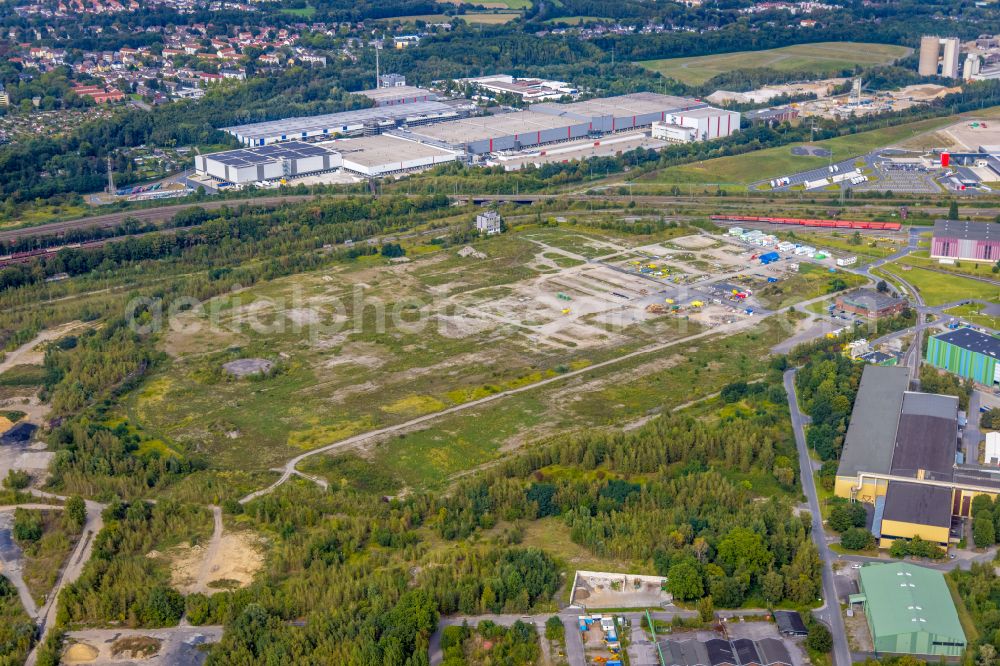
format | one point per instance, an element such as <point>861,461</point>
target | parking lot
<point>898,177</point>
<point>800,178</point>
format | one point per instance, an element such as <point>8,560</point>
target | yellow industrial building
<point>900,454</point>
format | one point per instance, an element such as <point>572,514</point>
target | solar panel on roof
<point>243,157</point>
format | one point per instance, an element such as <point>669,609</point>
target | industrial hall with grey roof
<point>901,454</point>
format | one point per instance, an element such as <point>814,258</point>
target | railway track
<point>718,204</point>
<point>159,214</point>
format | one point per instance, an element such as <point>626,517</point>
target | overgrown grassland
<point>820,57</point>
<point>938,288</point>
<point>336,381</point>
<point>330,383</point>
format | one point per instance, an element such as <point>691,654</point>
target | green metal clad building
<point>966,353</point>
<point>910,610</point>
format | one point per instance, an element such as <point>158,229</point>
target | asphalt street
<point>829,613</point>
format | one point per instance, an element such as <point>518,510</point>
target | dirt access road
<point>290,470</point>
<point>46,617</point>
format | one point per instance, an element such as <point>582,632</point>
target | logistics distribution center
<point>909,610</point>
<point>366,156</point>
<point>901,455</point>
<point>444,135</point>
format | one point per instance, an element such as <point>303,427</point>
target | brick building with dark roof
<point>870,303</point>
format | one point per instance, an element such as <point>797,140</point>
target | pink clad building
<point>966,241</point>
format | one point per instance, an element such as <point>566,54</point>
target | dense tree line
<point>352,565</point>
<point>653,495</point>
<point>516,645</point>
<point>120,583</point>
<point>985,521</point>
<point>827,385</point>
<point>17,631</point>
<point>945,383</point>
<point>240,233</point>
<point>979,589</point>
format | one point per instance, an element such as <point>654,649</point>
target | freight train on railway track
<point>29,255</point>
<point>803,222</point>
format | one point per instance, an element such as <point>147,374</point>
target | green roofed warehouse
<point>967,353</point>
<point>910,610</point>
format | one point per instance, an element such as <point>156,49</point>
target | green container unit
<point>964,352</point>
<point>910,610</point>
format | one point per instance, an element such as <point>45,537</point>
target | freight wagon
<point>834,224</point>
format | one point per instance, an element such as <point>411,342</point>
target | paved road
<point>11,561</point>
<point>972,435</point>
<point>829,613</point>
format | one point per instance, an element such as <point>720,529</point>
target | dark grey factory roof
<point>927,436</point>
<point>872,433</point>
<point>973,340</point>
<point>869,298</point>
<point>790,623</point>
<point>773,112</point>
<point>685,653</point>
<point>977,476</point>
<point>929,404</point>
<point>746,651</point>
<point>720,652</point>
<point>917,503</point>
<point>967,230</point>
<point>266,154</point>
<point>773,652</point>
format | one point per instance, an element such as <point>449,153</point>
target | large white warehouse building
<point>550,123</point>
<point>284,160</point>
<point>369,156</point>
<point>696,125</point>
<point>624,112</point>
<point>385,154</point>
<point>347,122</point>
